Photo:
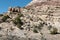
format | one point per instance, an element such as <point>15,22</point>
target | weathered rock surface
<point>34,22</point>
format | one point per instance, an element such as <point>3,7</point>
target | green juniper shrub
<point>35,30</point>
<point>40,26</point>
<point>14,22</point>
<point>17,21</point>
<point>54,31</point>
<point>49,27</point>
<point>1,14</point>
<point>5,18</point>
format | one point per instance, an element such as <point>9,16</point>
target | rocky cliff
<point>37,21</point>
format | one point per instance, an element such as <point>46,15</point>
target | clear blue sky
<point>5,4</point>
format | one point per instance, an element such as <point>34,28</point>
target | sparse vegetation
<point>58,7</point>
<point>38,28</point>
<point>5,18</point>
<point>35,30</point>
<point>50,11</point>
<point>0,28</point>
<point>40,19</point>
<point>54,31</point>
<point>42,38</point>
<point>17,21</point>
<point>49,27</point>
<point>21,28</point>
<point>31,19</point>
<point>1,14</point>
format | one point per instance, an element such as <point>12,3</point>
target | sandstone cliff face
<point>33,22</point>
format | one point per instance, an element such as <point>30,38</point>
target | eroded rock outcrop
<point>37,21</point>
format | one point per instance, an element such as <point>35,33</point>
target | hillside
<point>39,20</point>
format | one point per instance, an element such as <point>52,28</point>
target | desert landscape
<point>39,20</point>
